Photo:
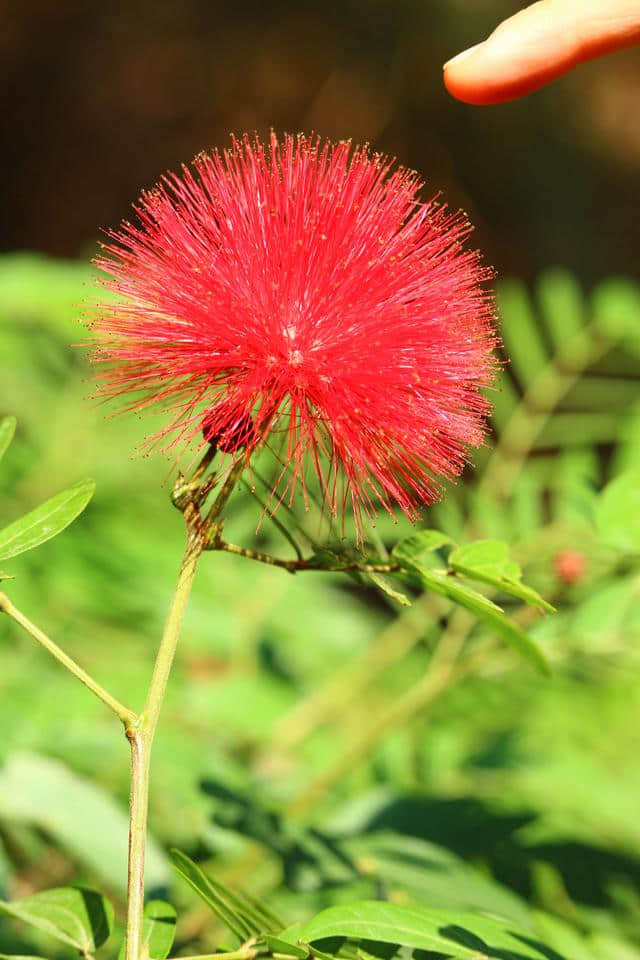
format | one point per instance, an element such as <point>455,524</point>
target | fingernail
<point>462,56</point>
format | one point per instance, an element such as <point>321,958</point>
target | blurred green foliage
<point>317,746</point>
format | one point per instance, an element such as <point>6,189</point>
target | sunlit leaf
<point>486,610</point>
<point>618,512</point>
<point>158,930</point>
<point>282,944</point>
<point>7,430</point>
<point>226,904</point>
<point>521,332</point>
<point>562,304</point>
<point>488,561</point>
<point>18,956</point>
<point>291,934</point>
<point>385,586</point>
<point>46,521</point>
<point>616,307</point>
<point>411,549</point>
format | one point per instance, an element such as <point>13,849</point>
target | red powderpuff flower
<point>301,290</point>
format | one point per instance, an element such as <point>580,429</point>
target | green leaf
<point>7,430</point>
<point>423,872</point>
<point>487,611</point>
<point>486,557</point>
<point>605,946</point>
<point>289,938</point>
<point>46,793</point>
<point>488,561</point>
<point>158,930</point>
<point>521,331</point>
<point>560,935</point>
<point>278,945</point>
<point>385,586</point>
<point>504,398</point>
<point>227,905</point>
<point>46,521</point>
<point>562,304</point>
<point>411,549</point>
<point>265,918</point>
<point>618,512</point>
<point>616,306</point>
<point>76,916</point>
<point>627,454</point>
<point>466,936</point>
<point>18,956</point>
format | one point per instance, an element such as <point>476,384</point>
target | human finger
<point>538,44</point>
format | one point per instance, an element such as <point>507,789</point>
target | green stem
<point>188,496</point>
<point>166,651</point>
<point>128,717</point>
<point>275,521</point>
<point>225,492</point>
<point>141,735</point>
<point>243,953</point>
<point>138,805</point>
<point>293,566</point>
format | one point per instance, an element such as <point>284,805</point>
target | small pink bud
<point>569,566</point>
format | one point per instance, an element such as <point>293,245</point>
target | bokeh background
<point>98,99</point>
<point>306,750</point>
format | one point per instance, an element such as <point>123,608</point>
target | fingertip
<point>504,67</point>
<point>471,77</point>
<point>460,57</point>
<point>539,44</point>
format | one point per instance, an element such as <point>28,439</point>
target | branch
<point>128,717</point>
<point>294,566</point>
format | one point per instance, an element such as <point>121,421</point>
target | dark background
<point>99,98</point>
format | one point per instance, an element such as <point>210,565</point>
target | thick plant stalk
<point>140,736</point>
<point>188,497</point>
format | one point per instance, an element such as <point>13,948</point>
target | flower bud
<point>569,566</point>
<point>228,427</point>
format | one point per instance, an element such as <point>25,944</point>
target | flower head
<point>300,293</point>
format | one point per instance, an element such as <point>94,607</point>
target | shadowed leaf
<point>73,915</point>
<point>464,936</point>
